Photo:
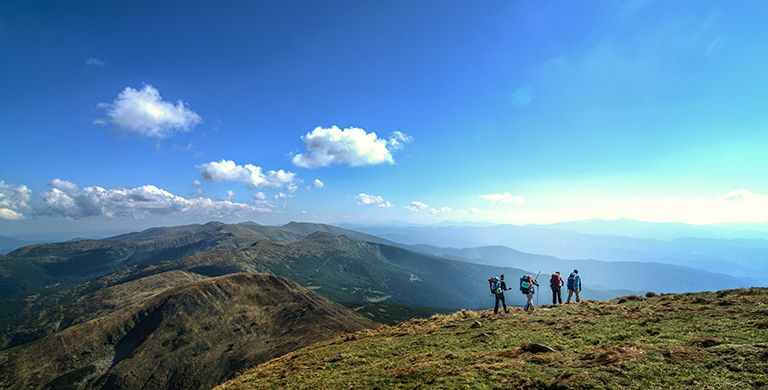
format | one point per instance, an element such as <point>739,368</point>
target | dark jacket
<point>574,281</point>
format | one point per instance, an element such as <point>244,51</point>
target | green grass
<point>703,340</point>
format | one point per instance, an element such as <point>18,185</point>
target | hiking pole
<point>537,290</point>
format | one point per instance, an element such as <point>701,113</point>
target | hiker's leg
<point>570,293</point>
<point>554,296</point>
<point>496,307</point>
<point>560,295</point>
<point>578,297</point>
<point>504,303</point>
<point>530,301</point>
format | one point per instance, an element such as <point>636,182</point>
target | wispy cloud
<point>503,199</point>
<point>441,210</point>
<point>416,206</point>
<point>93,61</point>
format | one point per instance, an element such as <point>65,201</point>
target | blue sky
<point>507,111</point>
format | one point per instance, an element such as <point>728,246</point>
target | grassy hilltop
<point>697,340</point>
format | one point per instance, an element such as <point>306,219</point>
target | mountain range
<point>189,306</point>
<point>747,258</point>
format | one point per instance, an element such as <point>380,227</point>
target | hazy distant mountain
<point>601,275</point>
<point>8,244</point>
<point>194,335</point>
<point>663,230</point>
<point>740,257</point>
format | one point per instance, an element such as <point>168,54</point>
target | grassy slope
<point>700,340</point>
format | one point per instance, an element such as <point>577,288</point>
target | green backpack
<point>525,284</point>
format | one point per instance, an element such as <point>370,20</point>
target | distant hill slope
<point>51,317</point>
<point>191,336</point>
<point>602,275</point>
<point>740,258</point>
<point>700,340</point>
<point>8,244</point>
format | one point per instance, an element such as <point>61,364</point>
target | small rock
<point>476,324</point>
<point>536,348</point>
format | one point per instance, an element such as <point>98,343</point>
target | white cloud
<point>144,112</point>
<point>252,175</point>
<point>398,140</point>
<point>364,199</point>
<point>14,199</point>
<point>138,202</point>
<point>744,195</point>
<point>352,146</point>
<point>64,185</point>
<point>93,61</point>
<point>282,195</point>
<point>260,196</point>
<point>504,199</point>
<point>196,183</point>
<point>318,183</point>
<point>230,195</point>
<point>416,206</point>
<point>10,214</point>
<point>441,210</point>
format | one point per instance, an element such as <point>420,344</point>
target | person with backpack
<point>556,283</point>
<point>574,286</point>
<point>526,287</point>
<point>498,286</point>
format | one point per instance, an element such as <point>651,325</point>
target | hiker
<point>574,286</point>
<point>498,286</point>
<point>556,283</point>
<point>526,287</point>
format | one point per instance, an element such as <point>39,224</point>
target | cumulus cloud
<point>352,146</point>
<point>260,196</point>
<point>416,206</point>
<point>72,202</point>
<point>252,175</point>
<point>144,112</point>
<point>318,184</point>
<point>14,200</point>
<point>93,61</point>
<point>364,199</point>
<point>504,199</point>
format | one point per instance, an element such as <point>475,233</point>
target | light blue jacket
<point>574,281</point>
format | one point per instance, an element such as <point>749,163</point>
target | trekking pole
<point>537,290</point>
